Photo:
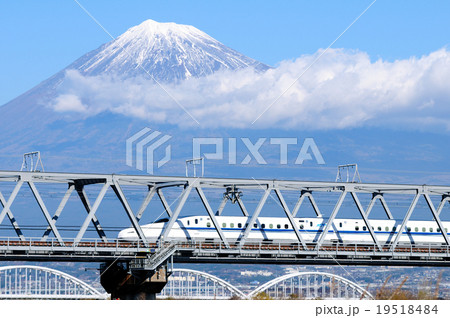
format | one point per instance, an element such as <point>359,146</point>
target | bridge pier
<point>136,284</point>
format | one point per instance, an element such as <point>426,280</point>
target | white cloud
<point>343,89</point>
<point>69,103</point>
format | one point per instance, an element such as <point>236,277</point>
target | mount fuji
<point>167,52</point>
<point>162,52</point>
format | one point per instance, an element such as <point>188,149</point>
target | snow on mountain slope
<point>167,51</point>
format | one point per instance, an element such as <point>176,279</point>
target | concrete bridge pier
<point>136,284</point>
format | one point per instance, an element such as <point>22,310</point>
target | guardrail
<point>97,249</point>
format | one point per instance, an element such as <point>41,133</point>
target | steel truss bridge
<point>52,245</point>
<point>191,194</point>
<point>191,284</point>
<point>36,282</point>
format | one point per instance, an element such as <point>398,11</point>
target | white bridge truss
<point>36,282</point>
<point>52,244</point>
<point>191,284</point>
<point>312,285</point>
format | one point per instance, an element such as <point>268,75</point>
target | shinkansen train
<point>275,229</point>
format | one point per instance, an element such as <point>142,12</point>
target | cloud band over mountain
<point>343,89</point>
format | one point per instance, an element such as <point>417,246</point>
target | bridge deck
<point>206,252</point>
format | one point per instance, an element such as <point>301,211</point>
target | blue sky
<point>41,38</point>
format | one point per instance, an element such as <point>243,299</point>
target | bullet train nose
<point>127,234</point>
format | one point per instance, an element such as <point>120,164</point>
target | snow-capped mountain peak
<point>168,51</point>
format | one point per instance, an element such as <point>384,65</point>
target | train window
<point>271,226</point>
<point>379,228</point>
<point>239,224</point>
<point>446,230</point>
<point>188,222</point>
<point>386,228</point>
<point>263,226</point>
<point>208,224</point>
<point>286,226</point>
<point>394,229</point>
<point>431,230</point>
<point>224,225</point>
<point>196,221</point>
<point>255,225</point>
<point>310,223</point>
<point>424,229</point>
<point>232,225</point>
<point>408,229</point>
<point>416,229</point>
<point>438,230</point>
<point>364,228</point>
<point>301,226</point>
<point>357,228</point>
<point>340,224</point>
<point>278,226</point>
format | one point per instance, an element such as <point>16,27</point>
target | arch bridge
<point>192,284</point>
<point>36,282</point>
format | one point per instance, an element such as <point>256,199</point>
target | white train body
<point>274,229</point>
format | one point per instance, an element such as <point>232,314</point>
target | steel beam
<point>211,215</point>
<point>58,211</point>
<point>148,198</point>
<point>379,196</point>
<point>222,206</point>
<point>405,220</point>
<point>91,215</point>
<point>134,222</point>
<point>183,197</point>
<point>85,200</point>
<point>45,212</point>
<point>366,220</point>
<point>12,219</point>
<point>307,194</point>
<point>252,219</point>
<point>436,218</point>
<point>242,206</point>
<point>445,198</point>
<point>331,219</point>
<point>291,218</point>
<point>13,195</point>
<point>164,202</point>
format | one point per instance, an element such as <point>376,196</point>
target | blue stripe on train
<point>309,231</point>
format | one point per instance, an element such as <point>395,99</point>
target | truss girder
<point>379,196</point>
<point>212,216</point>
<point>366,220</point>
<point>12,219</point>
<point>330,220</point>
<point>290,217</point>
<point>405,220</point>
<point>118,190</point>
<point>253,218</point>
<point>158,184</point>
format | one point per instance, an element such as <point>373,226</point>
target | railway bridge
<point>76,217</point>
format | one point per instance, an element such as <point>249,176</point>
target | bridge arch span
<point>37,282</point>
<point>189,283</point>
<point>312,285</point>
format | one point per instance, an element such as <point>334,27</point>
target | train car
<point>276,229</point>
